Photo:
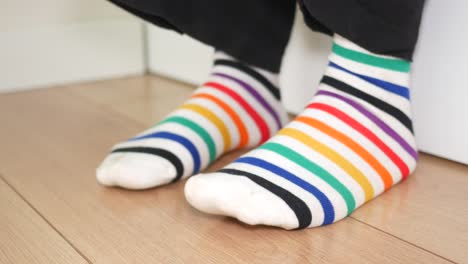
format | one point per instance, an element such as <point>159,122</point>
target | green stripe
<point>198,129</point>
<point>387,63</point>
<point>315,169</point>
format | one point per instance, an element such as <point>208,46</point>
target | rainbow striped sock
<point>351,143</point>
<point>237,107</point>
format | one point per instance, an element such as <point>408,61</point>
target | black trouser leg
<point>257,31</point>
<point>254,31</point>
<point>381,26</point>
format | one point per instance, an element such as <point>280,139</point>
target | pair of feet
<point>351,143</point>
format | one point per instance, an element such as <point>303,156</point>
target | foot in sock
<point>351,143</point>
<point>237,107</point>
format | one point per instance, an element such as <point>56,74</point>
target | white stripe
<point>399,78</point>
<point>202,121</point>
<point>270,76</point>
<point>390,120</point>
<point>238,74</point>
<point>258,86</point>
<point>342,41</point>
<point>396,100</point>
<point>360,139</point>
<point>253,132</point>
<point>310,200</point>
<point>221,114</point>
<point>369,124</point>
<point>172,146</point>
<point>333,195</point>
<point>192,136</point>
<point>325,163</point>
<point>252,101</point>
<point>349,155</point>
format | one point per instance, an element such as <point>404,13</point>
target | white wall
<point>178,56</point>
<point>17,14</point>
<point>439,89</point>
<point>49,42</point>
<point>440,83</point>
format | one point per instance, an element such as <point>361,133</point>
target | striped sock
<point>237,107</point>
<point>352,142</point>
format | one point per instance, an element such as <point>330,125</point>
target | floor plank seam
<point>403,240</point>
<point>45,219</point>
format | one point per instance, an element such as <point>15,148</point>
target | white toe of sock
<point>135,171</point>
<point>238,197</point>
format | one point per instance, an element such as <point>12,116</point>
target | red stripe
<point>366,132</point>
<point>259,121</point>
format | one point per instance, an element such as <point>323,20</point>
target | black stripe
<point>243,67</point>
<point>299,207</point>
<point>173,159</point>
<point>382,105</point>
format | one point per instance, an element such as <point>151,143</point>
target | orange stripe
<point>244,136</point>
<point>213,119</point>
<point>353,145</point>
<point>333,156</point>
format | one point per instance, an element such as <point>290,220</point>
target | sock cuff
<point>349,50</point>
<point>271,76</point>
<point>253,72</point>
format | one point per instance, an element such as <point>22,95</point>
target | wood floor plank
<point>432,203</point>
<point>26,238</point>
<point>429,209</point>
<point>52,140</point>
<point>145,99</point>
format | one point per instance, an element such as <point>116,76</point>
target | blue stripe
<point>328,210</point>
<point>393,88</point>
<point>185,142</point>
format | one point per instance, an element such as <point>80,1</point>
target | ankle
<point>349,55</point>
<point>272,77</point>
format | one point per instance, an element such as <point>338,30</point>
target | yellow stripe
<point>332,155</point>
<point>215,120</point>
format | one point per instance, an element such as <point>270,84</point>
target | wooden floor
<point>53,211</point>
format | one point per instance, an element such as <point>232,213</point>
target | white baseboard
<point>57,54</point>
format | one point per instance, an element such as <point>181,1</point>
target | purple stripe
<point>255,94</point>
<point>376,120</point>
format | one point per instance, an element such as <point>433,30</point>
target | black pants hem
<point>248,35</point>
<point>257,32</point>
<point>383,27</point>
